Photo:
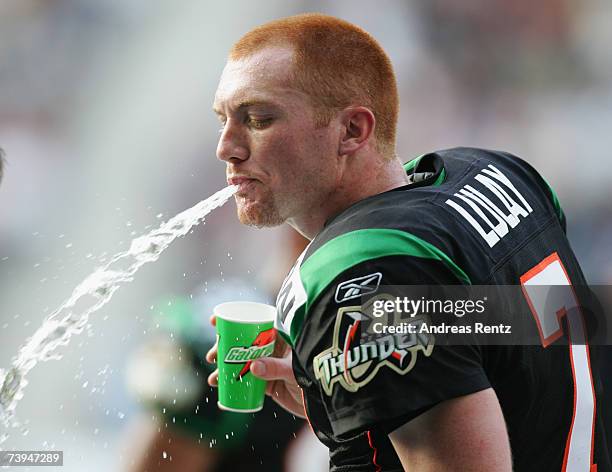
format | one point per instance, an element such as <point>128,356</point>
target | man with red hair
<point>309,110</point>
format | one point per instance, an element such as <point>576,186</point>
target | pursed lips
<point>242,182</point>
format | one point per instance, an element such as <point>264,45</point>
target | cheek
<point>298,160</point>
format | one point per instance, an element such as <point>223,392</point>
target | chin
<point>259,216</point>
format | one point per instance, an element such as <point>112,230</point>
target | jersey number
<point>551,272</point>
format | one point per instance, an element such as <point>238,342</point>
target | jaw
<point>258,214</point>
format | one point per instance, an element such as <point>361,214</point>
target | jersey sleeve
<point>383,381</point>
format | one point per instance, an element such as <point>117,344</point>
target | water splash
<point>89,296</point>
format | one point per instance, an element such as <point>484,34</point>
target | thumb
<point>272,368</point>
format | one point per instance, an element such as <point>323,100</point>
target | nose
<point>232,146</point>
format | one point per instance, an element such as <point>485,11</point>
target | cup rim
<point>240,317</point>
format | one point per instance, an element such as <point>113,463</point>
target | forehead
<point>264,76</point>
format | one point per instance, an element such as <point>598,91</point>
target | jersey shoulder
<point>518,171</point>
<point>464,210</point>
<point>474,209</point>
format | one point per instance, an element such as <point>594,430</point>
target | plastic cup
<point>245,332</point>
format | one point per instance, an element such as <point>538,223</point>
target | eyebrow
<point>245,104</point>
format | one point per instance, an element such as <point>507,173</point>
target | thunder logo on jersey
<point>353,363</point>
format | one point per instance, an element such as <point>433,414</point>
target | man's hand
<point>277,370</point>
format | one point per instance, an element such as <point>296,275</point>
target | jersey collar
<point>424,170</point>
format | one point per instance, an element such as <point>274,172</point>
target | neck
<point>352,188</point>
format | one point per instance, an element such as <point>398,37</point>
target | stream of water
<point>91,295</point>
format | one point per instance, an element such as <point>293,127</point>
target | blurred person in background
<point>310,140</point>
<point>188,433</point>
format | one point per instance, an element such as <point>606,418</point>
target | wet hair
<point>337,64</point>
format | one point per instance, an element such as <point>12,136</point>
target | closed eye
<point>258,123</point>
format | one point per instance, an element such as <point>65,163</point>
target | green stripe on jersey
<point>555,200</point>
<point>350,249</point>
<point>441,178</point>
<point>411,164</point>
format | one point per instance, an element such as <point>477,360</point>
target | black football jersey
<point>468,217</point>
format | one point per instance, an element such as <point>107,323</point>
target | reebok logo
<point>358,287</point>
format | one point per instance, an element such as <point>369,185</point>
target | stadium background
<point>105,117</point>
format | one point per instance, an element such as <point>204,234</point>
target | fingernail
<point>258,368</point>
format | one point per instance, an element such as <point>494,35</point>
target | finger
<point>213,379</point>
<point>272,389</point>
<point>211,356</point>
<point>271,368</point>
<point>280,347</point>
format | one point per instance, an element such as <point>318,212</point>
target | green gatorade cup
<point>245,331</point>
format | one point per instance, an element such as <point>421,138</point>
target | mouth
<point>244,184</point>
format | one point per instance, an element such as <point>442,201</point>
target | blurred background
<point>106,121</point>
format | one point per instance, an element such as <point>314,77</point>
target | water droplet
<point>97,289</point>
<point>165,455</point>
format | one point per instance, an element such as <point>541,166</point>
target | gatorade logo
<point>262,346</point>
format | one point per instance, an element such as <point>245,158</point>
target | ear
<point>357,129</point>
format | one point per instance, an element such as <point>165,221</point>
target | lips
<point>245,184</point>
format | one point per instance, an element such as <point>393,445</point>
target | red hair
<point>337,64</point>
